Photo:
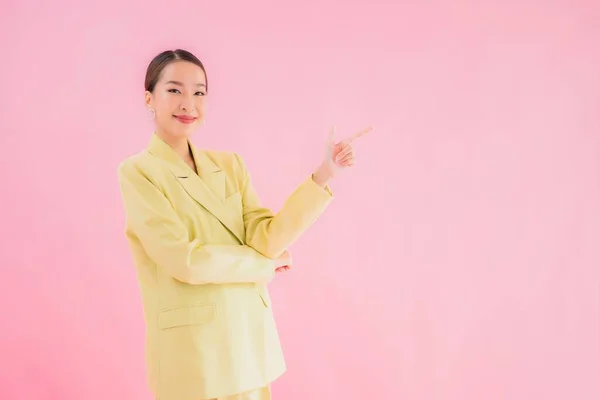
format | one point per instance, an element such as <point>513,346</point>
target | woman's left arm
<point>272,233</point>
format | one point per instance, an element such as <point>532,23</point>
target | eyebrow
<point>181,84</point>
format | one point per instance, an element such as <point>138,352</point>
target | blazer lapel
<point>210,174</point>
<point>207,187</point>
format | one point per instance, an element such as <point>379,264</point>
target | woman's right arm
<point>152,219</point>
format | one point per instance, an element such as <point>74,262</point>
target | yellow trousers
<point>263,393</point>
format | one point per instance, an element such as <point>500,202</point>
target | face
<point>178,99</point>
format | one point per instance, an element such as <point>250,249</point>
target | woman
<point>205,248</point>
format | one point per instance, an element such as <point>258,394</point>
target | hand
<point>338,156</point>
<point>283,262</point>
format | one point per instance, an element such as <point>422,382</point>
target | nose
<point>187,105</point>
<point>188,108</point>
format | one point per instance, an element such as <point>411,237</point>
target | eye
<point>173,91</point>
<point>199,94</point>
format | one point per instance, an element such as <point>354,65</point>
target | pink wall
<point>460,259</point>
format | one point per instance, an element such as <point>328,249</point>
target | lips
<point>185,119</point>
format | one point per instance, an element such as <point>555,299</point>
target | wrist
<point>322,175</point>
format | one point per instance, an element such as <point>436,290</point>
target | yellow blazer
<point>203,246</point>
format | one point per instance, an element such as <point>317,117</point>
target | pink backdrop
<point>460,259</point>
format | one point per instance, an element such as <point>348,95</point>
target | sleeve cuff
<point>323,190</point>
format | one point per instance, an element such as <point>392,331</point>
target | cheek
<point>164,105</point>
<point>201,104</point>
<point>164,96</point>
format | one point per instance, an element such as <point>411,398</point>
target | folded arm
<point>272,233</point>
<point>165,239</point>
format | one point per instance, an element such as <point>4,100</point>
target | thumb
<point>331,134</point>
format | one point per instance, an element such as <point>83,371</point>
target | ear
<point>148,99</point>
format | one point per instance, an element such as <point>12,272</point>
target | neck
<point>179,145</point>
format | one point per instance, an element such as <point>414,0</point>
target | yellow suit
<point>203,247</point>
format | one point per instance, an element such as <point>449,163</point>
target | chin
<point>183,132</point>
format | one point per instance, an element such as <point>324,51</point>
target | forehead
<point>183,71</point>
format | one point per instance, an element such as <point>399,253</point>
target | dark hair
<point>159,63</point>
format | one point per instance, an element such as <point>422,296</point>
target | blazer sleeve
<point>165,239</point>
<point>272,233</point>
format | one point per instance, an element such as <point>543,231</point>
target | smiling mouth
<point>185,119</point>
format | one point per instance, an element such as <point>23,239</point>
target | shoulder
<point>137,165</point>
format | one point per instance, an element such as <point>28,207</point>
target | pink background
<point>460,259</point>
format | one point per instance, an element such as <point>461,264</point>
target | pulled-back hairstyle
<point>158,64</point>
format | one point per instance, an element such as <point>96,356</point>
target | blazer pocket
<point>186,315</point>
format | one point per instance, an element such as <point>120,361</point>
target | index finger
<point>360,133</point>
